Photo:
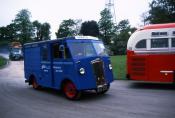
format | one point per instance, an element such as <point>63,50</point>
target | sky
<point>55,11</point>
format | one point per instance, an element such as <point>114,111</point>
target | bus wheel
<point>35,84</point>
<point>70,91</point>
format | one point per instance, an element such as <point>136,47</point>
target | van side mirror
<point>61,48</point>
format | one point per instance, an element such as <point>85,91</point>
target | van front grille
<point>98,70</point>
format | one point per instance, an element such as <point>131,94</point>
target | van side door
<point>57,64</point>
<point>46,72</point>
<point>61,64</point>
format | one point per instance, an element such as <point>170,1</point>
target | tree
<point>23,26</point>
<point>8,32</point>
<point>121,37</point>
<point>66,28</point>
<point>106,26</point>
<point>37,30</point>
<point>77,26</point>
<point>42,31</point>
<point>45,31</point>
<point>3,33</point>
<point>90,28</point>
<point>161,11</point>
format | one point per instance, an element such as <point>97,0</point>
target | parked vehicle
<point>72,64</point>
<point>15,51</point>
<point>151,54</point>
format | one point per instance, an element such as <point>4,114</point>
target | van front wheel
<point>70,91</point>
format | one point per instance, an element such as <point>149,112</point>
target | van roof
<point>66,38</point>
<point>158,26</point>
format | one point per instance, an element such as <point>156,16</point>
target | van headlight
<point>82,71</point>
<point>110,67</point>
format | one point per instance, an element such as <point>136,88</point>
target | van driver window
<point>141,44</point>
<point>44,53</point>
<point>67,53</point>
<point>173,42</point>
<point>159,43</point>
<point>56,52</point>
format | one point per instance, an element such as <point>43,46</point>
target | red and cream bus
<point>151,54</point>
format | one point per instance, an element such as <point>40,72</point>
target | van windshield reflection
<point>87,49</point>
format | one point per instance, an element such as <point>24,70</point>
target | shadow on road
<point>90,95</point>
<point>86,95</point>
<point>155,86</point>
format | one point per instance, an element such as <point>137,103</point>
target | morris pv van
<point>72,65</point>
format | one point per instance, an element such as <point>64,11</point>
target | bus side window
<point>141,44</point>
<point>44,53</point>
<point>159,43</point>
<point>56,53</point>
<point>173,42</point>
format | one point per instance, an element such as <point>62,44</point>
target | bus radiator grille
<point>138,66</point>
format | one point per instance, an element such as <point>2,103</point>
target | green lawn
<point>2,62</point>
<point>119,66</point>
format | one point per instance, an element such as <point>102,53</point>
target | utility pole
<point>110,5</point>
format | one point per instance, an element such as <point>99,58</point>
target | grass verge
<point>119,66</point>
<point>3,62</point>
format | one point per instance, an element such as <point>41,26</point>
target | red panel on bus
<point>151,67</point>
<point>161,67</point>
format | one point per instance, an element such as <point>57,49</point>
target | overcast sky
<point>54,11</point>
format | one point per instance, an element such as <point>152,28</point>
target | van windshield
<point>87,49</point>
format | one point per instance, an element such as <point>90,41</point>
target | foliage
<point>120,39</point>
<point>2,62</point>
<point>37,29</point>
<point>106,26</point>
<point>23,30</point>
<point>161,11</point>
<point>45,31</point>
<point>119,66</point>
<point>8,32</point>
<point>23,26</point>
<point>89,28</point>
<point>77,27</point>
<point>66,28</point>
<point>3,32</point>
<point>42,31</point>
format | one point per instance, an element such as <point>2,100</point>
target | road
<point>125,99</point>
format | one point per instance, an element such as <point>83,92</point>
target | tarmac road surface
<point>125,99</point>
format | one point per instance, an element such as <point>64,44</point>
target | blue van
<point>72,64</point>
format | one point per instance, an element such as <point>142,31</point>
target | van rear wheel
<point>70,91</point>
<point>35,84</point>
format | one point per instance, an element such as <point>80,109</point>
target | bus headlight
<point>82,71</point>
<point>110,67</point>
